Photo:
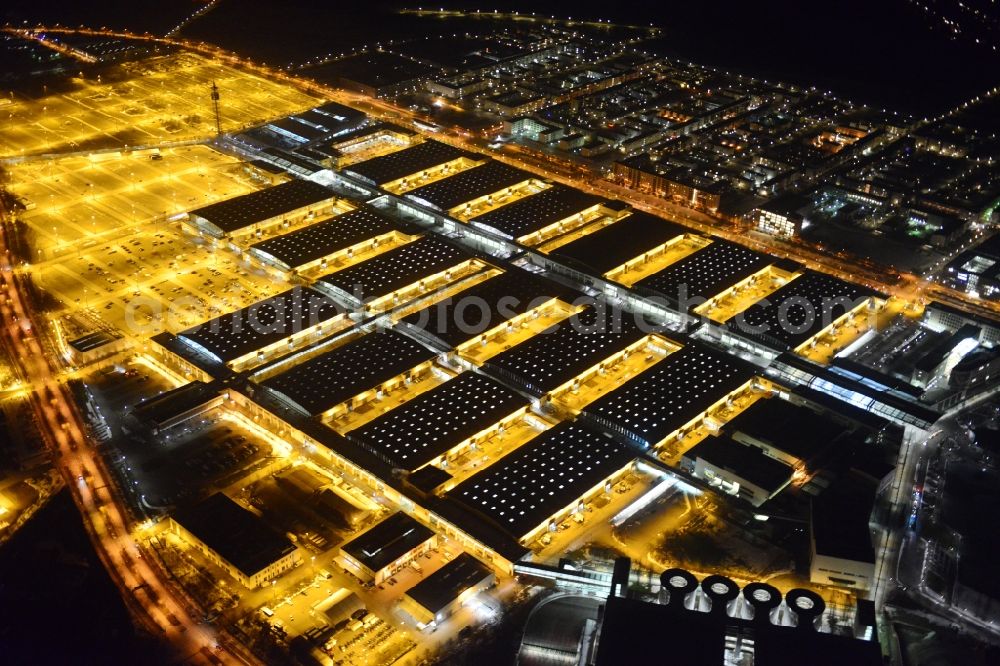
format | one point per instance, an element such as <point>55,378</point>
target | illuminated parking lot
<point>97,196</point>
<point>159,100</point>
<point>136,269</point>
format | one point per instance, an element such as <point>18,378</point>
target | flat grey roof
<point>92,341</point>
<point>744,460</point>
<point>840,518</point>
<point>238,536</point>
<point>446,584</point>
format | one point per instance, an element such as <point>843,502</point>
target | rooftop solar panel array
<point>330,379</point>
<point>401,266</point>
<point>620,242</point>
<point>434,422</point>
<point>663,398</point>
<point>471,184</point>
<point>525,487</point>
<point>799,310</point>
<point>324,238</point>
<point>487,304</point>
<point>242,211</point>
<point>235,334</point>
<point>705,273</point>
<point>538,211</point>
<point>566,349</point>
<point>406,162</point>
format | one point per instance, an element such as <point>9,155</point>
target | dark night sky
<point>883,52</point>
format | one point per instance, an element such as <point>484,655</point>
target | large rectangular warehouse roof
<point>620,242</point>
<point>706,272</point>
<point>522,489</point>
<point>471,184</point>
<point>476,310</point>
<point>384,274</point>
<point>538,211</point>
<point>406,162</point>
<point>663,398</point>
<point>256,326</point>
<point>566,349</point>
<point>328,380</point>
<point>242,211</point>
<point>325,238</point>
<point>800,310</point>
<point>434,422</point>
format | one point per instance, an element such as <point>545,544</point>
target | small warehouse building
<point>95,346</point>
<point>738,469</point>
<point>434,599</point>
<point>235,540</point>
<point>379,553</point>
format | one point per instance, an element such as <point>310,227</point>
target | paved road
<point>154,603</point>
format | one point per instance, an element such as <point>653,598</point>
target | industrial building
<point>172,408</point>
<point>357,366</point>
<point>324,121</point>
<point>805,435</point>
<point>264,209</point>
<point>566,349</point>
<point>714,621</point>
<point>409,163</point>
<point>440,422</point>
<point>670,395</point>
<point>977,270</point>
<point>480,182</point>
<point>840,538</point>
<point>400,273</point>
<point>545,480</point>
<point>380,552</point>
<point>704,273</point>
<point>737,469</point>
<point>266,329</point>
<point>475,311</point>
<point>95,346</point>
<point>438,596</point>
<point>530,215</point>
<point>634,238</point>
<point>801,309</point>
<point>235,540</point>
<point>343,238</point>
